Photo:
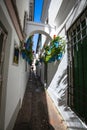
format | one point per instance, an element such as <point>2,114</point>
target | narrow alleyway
<point>38,111</point>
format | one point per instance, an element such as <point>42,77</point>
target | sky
<point>38,10</point>
<point>37,15</point>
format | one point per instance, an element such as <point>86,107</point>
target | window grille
<point>77,66</point>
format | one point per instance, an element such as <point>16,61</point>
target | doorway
<point>3,36</point>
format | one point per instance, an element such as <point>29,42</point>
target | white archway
<point>32,28</point>
<point>40,32</point>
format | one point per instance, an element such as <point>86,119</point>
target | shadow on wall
<point>63,77</point>
<point>62,89</point>
<point>71,118</point>
<point>52,69</point>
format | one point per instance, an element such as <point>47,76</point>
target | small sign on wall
<point>16,54</point>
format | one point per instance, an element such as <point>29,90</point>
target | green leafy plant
<point>55,50</point>
<point>26,50</point>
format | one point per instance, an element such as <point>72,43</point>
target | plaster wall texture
<point>22,6</point>
<point>15,77</point>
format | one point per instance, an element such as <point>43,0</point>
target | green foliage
<point>55,50</point>
<point>26,50</point>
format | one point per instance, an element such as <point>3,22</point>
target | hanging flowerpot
<point>55,50</point>
<point>26,50</point>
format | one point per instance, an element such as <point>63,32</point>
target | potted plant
<point>26,50</point>
<point>55,50</point>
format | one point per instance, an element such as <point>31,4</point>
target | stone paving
<point>38,111</point>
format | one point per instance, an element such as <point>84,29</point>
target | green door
<point>78,36</point>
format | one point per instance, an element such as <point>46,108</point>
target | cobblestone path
<point>38,111</point>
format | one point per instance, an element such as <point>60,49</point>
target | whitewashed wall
<point>43,38</point>
<point>42,73</point>
<point>15,77</point>
<point>53,10</point>
<point>57,86</point>
<point>22,6</point>
<point>51,70</point>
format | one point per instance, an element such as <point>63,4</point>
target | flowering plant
<point>26,50</point>
<point>55,50</point>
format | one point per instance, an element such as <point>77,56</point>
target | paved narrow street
<point>38,111</point>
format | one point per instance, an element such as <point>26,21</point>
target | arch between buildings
<point>49,38</point>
